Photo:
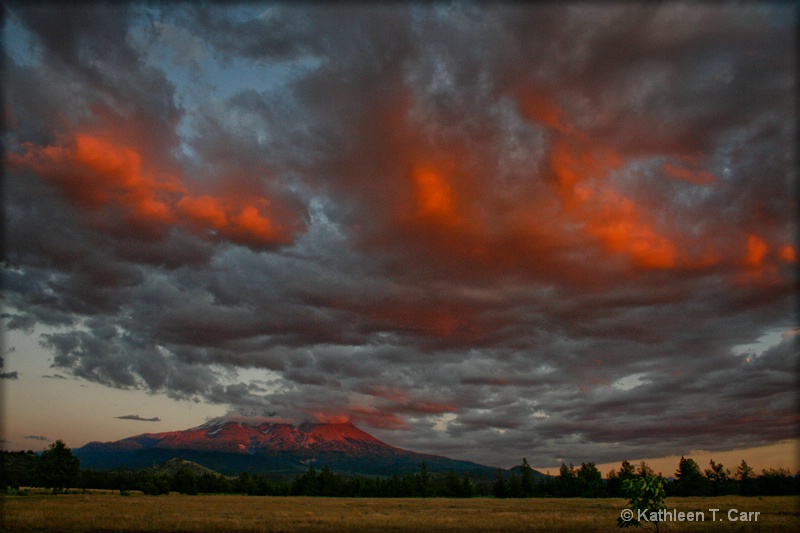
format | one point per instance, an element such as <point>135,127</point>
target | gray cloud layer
<point>495,231</point>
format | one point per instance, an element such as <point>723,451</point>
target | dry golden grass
<point>177,513</point>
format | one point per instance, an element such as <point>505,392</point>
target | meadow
<point>107,512</point>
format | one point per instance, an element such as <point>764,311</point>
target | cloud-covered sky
<point>481,230</point>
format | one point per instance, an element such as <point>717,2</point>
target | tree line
<point>58,469</point>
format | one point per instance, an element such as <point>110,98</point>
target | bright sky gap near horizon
<point>481,230</point>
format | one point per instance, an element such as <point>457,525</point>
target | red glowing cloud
<point>761,261</point>
<point>327,418</point>
<point>103,172</point>
<point>434,194</point>
<point>756,251</point>
<point>453,213</point>
<point>204,211</point>
<point>359,414</point>
<point>787,254</point>
<point>621,228</point>
<point>581,168</point>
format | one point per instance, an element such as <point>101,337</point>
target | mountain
<point>231,447</point>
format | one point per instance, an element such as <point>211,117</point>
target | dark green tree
<point>626,471</point>
<point>209,483</point>
<point>746,477</point>
<point>590,481</point>
<point>244,484</point>
<point>329,483</point>
<point>184,481</point>
<point>645,495</point>
<point>688,479</point>
<point>500,487</point>
<point>527,481</point>
<point>153,485</point>
<point>18,469</point>
<point>643,470</point>
<point>514,486</point>
<point>616,479</point>
<point>566,484</point>
<point>306,484</point>
<point>613,484</point>
<point>720,480</point>
<point>466,490</point>
<point>776,482</point>
<point>452,485</point>
<point>424,481</point>
<point>58,469</point>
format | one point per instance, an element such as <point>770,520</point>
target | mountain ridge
<point>265,447</point>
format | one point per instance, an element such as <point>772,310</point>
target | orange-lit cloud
<point>364,414</point>
<point>434,194</point>
<point>329,418</point>
<point>756,251</point>
<point>787,253</point>
<point>204,210</point>
<point>96,172</point>
<point>761,261</point>
<point>621,228</point>
<point>581,168</point>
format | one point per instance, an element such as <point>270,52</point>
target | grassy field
<point>177,513</point>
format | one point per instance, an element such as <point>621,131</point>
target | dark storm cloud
<point>9,375</point>
<point>487,231</point>
<point>138,418</point>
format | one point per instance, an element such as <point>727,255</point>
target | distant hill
<point>177,464</point>
<point>518,471</point>
<point>231,447</point>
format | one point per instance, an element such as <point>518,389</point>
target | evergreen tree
<point>184,481</point>
<point>18,469</point>
<point>776,482</point>
<point>746,478</point>
<point>590,481</point>
<point>452,485</point>
<point>613,484</point>
<point>499,488</point>
<point>423,485</point>
<point>527,482</point>
<point>514,486</point>
<point>626,471</point>
<point>244,484</point>
<point>153,485</point>
<point>719,478</point>
<point>643,470</point>
<point>58,468</point>
<point>466,490</point>
<point>566,484</point>
<point>329,483</point>
<point>688,479</point>
<point>306,484</point>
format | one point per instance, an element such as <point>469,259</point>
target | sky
<point>565,232</point>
